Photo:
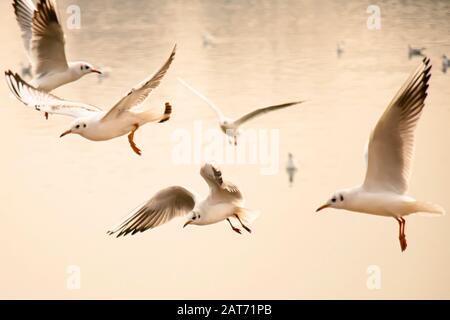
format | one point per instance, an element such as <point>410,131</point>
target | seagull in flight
<point>91,122</point>
<point>224,201</point>
<point>389,161</point>
<point>230,127</point>
<point>44,41</point>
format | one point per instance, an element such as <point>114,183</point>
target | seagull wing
<point>219,113</point>
<point>24,11</point>
<point>47,40</point>
<point>138,94</point>
<point>391,144</point>
<point>164,206</point>
<point>262,111</point>
<point>219,188</point>
<point>46,102</point>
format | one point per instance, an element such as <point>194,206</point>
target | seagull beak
<point>65,133</point>
<point>96,71</point>
<point>323,207</point>
<point>187,223</point>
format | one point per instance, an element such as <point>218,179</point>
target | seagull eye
<point>194,217</point>
<point>78,126</point>
<point>333,200</point>
<point>84,126</point>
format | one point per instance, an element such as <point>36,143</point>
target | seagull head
<point>79,126</point>
<point>339,200</point>
<point>193,218</point>
<point>81,68</point>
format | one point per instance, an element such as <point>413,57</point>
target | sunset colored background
<point>58,197</point>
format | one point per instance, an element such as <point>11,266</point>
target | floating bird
<point>339,49</point>
<point>229,126</point>
<point>224,201</point>
<point>91,122</point>
<point>44,42</point>
<point>291,169</point>
<point>445,63</point>
<point>390,153</point>
<point>412,52</point>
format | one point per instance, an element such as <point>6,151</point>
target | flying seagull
<point>91,122</point>
<point>224,201</point>
<point>389,161</point>
<point>229,126</point>
<point>44,41</point>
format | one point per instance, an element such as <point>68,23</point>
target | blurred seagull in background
<point>445,63</point>
<point>339,49</point>
<point>291,169</point>
<point>229,126</point>
<point>224,201</point>
<point>44,42</point>
<point>413,52</point>
<point>91,122</point>
<point>390,153</point>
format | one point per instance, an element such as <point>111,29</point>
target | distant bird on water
<point>414,52</point>
<point>291,169</point>
<point>445,63</point>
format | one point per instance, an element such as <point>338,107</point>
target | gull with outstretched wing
<point>389,157</point>
<point>91,122</point>
<point>223,202</point>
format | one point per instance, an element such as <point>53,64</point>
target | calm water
<point>59,197</point>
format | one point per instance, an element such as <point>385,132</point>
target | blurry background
<point>59,197</point>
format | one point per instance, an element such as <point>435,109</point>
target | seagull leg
<point>401,231</point>
<point>243,226</point>
<point>131,141</point>
<point>46,116</point>
<point>235,140</point>
<point>403,234</point>
<point>233,227</point>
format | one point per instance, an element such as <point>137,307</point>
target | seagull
<point>91,122</point>
<point>229,126</point>
<point>291,169</point>
<point>44,42</point>
<point>389,161</point>
<point>339,49</point>
<point>415,51</point>
<point>224,201</point>
<point>445,63</point>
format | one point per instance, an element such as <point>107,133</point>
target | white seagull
<point>389,161</point>
<point>230,127</point>
<point>224,201</point>
<point>44,42</point>
<point>91,122</point>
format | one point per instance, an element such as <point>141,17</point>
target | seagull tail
<point>247,215</point>
<point>428,209</point>
<point>167,113</point>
